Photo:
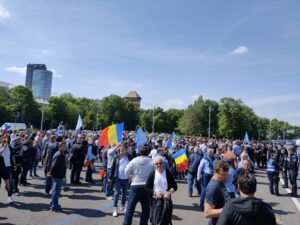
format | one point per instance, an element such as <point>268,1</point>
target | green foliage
<point>230,118</point>
<point>195,120</point>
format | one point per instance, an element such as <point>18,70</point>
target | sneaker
<point>17,193</point>
<point>9,200</point>
<point>115,212</point>
<point>46,193</point>
<point>109,198</point>
<point>121,208</point>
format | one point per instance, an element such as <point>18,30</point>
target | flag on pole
<point>181,160</point>
<point>173,135</point>
<point>111,134</point>
<point>6,127</point>
<point>246,139</point>
<point>79,124</point>
<point>170,145</point>
<point>141,138</point>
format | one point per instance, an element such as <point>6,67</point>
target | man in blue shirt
<point>205,172</point>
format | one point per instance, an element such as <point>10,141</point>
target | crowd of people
<point>221,171</point>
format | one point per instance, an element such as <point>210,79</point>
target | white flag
<point>79,123</point>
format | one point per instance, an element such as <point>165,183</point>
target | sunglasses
<point>158,163</point>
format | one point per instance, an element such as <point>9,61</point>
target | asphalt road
<point>85,204</point>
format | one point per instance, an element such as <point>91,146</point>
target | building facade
<point>29,72</point>
<point>41,84</point>
<point>133,97</point>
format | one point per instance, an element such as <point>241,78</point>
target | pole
<point>43,111</point>
<point>209,112</point>
<point>153,121</point>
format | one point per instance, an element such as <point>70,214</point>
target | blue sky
<point>169,51</point>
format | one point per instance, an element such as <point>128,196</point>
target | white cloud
<point>240,50</point>
<point>55,73</point>
<point>45,52</point>
<point>174,103</point>
<point>18,70</point>
<point>293,114</point>
<point>4,14</point>
<point>274,99</point>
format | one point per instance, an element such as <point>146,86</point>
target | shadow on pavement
<point>194,207</point>
<point>38,207</point>
<point>83,197</point>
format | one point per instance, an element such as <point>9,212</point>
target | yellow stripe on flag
<point>112,134</point>
<point>181,159</point>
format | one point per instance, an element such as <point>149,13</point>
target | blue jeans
<point>138,193</point>
<point>56,188</point>
<point>191,179</point>
<point>120,183</point>
<point>33,168</point>
<point>205,180</point>
<point>108,185</point>
<point>48,184</point>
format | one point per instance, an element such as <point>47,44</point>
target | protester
<point>4,174</point>
<point>92,152</point>
<point>216,193</point>
<point>161,185</point>
<point>77,160</point>
<point>247,210</point>
<point>273,174</point>
<point>120,180</point>
<point>57,172</point>
<point>193,162</point>
<point>138,171</point>
<point>204,174</point>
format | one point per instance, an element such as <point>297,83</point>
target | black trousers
<point>293,180</point>
<point>75,172</point>
<point>273,182</point>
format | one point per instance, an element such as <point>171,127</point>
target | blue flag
<point>141,138</point>
<point>246,139</point>
<point>169,144</point>
<point>173,135</point>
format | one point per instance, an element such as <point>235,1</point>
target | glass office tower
<point>41,84</point>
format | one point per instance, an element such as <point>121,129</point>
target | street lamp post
<point>209,113</point>
<point>153,120</point>
<point>43,111</point>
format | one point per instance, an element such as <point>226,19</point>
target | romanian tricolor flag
<point>111,135</point>
<point>181,160</point>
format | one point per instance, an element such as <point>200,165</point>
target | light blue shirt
<point>122,165</point>
<point>229,183</point>
<point>204,167</point>
<point>90,154</point>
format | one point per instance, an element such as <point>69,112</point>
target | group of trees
<point>229,118</point>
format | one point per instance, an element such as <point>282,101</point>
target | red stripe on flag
<point>103,140</point>
<point>182,166</point>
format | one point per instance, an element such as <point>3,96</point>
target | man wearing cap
<point>138,171</point>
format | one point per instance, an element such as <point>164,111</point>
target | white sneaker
<point>121,208</point>
<point>9,200</point>
<point>115,212</point>
<point>109,198</point>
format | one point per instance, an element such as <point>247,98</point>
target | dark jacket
<point>3,171</point>
<point>78,153</point>
<point>17,152</point>
<point>52,148</point>
<point>247,211</point>
<point>58,168</point>
<point>170,180</point>
<point>194,161</point>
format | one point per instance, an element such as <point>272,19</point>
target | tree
<point>22,101</point>
<point>235,119</point>
<point>57,110</point>
<point>173,115</point>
